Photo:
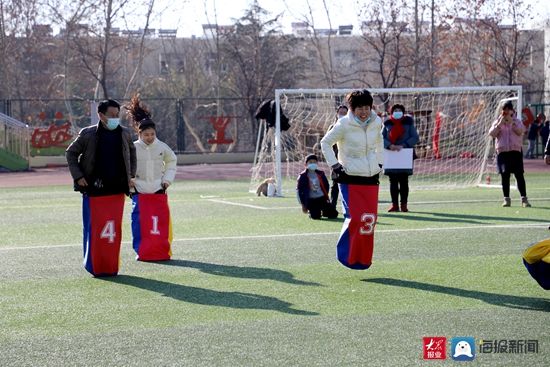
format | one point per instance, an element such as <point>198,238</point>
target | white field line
<point>253,237</point>
<point>238,204</point>
<point>220,201</point>
<point>381,203</point>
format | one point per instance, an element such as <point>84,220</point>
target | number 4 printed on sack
<point>155,229</point>
<point>108,231</point>
<point>368,220</point>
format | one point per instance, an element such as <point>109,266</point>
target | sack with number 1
<point>151,227</point>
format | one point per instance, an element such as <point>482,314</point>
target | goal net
<point>454,149</point>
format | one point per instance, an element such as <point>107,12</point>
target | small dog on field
<point>263,187</point>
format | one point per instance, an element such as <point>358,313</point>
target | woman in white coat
<point>358,137</point>
<point>156,170</point>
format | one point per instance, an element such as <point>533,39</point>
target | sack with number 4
<point>102,217</point>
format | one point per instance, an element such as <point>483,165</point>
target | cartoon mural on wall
<point>52,139</point>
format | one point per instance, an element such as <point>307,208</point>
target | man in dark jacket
<point>312,189</point>
<point>102,159</point>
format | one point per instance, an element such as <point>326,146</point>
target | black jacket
<point>81,154</point>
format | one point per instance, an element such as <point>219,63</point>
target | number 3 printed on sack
<point>108,231</point>
<point>368,221</point>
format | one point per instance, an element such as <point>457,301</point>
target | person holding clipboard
<point>399,135</point>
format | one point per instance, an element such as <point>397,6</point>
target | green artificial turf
<point>254,282</point>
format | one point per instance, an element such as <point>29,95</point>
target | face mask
<point>358,120</point>
<point>397,115</point>
<point>312,166</point>
<point>113,123</point>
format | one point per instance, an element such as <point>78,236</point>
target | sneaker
<point>507,202</point>
<point>404,207</point>
<point>525,202</point>
<point>393,208</point>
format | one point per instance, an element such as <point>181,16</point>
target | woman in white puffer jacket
<point>358,136</point>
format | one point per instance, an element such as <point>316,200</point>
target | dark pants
<point>320,206</point>
<point>506,183</point>
<point>399,185</point>
<point>334,191</point>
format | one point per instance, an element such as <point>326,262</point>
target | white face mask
<point>112,123</point>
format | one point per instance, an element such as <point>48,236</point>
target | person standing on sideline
<point>508,133</point>
<point>547,151</point>
<point>399,132</point>
<point>341,111</point>
<point>532,135</point>
<point>358,136</point>
<point>102,162</point>
<point>544,131</point>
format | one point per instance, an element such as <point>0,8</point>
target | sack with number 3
<point>356,242</point>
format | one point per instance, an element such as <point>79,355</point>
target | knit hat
<point>311,156</point>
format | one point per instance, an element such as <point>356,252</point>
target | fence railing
<point>187,125</point>
<point>14,138</point>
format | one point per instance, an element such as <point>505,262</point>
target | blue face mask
<point>113,123</point>
<point>312,166</point>
<point>397,115</point>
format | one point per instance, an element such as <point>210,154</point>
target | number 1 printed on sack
<point>155,229</point>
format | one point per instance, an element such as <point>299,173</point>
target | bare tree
<point>321,40</point>
<point>491,41</point>
<point>386,44</point>
<point>260,58</point>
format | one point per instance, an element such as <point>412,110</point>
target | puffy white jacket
<point>360,149</point>
<point>156,163</point>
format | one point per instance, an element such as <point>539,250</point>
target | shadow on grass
<point>504,300</point>
<point>458,218</point>
<point>209,297</point>
<point>238,271</point>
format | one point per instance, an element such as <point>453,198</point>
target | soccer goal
<point>454,149</point>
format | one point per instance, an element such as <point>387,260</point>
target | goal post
<point>452,123</point>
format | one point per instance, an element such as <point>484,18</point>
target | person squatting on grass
<point>102,162</point>
<point>399,132</point>
<point>508,133</point>
<point>156,170</point>
<point>312,188</point>
<point>358,137</point>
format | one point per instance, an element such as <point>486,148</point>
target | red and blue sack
<point>356,242</point>
<point>536,259</point>
<point>102,219</point>
<point>151,227</point>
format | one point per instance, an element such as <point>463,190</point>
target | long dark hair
<point>140,114</point>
